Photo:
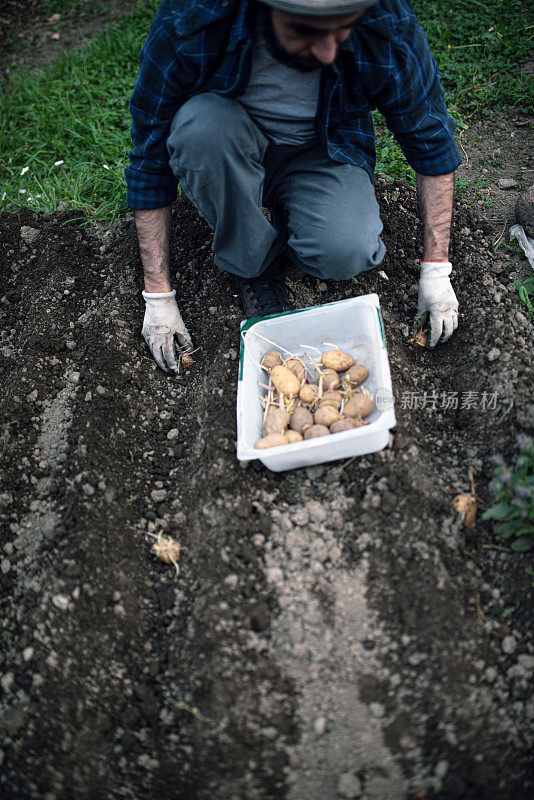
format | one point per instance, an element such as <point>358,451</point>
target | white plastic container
<point>356,327</point>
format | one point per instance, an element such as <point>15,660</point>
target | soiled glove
<point>437,300</point>
<point>162,323</point>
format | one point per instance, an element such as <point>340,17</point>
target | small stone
<point>490,674</point>
<point>28,234</point>
<point>27,654</point>
<point>313,473</point>
<point>88,397</point>
<point>6,681</point>
<point>509,645</point>
<point>231,581</point>
<point>74,378</point>
<point>269,733</point>
<point>493,354</point>
<point>158,495</point>
<point>60,601</point>
<point>376,709</point>
<point>348,786</point>
<point>172,434</point>
<point>441,769</point>
<point>526,661</point>
<point>101,389</point>
<point>13,720</point>
<point>32,397</point>
<point>88,490</point>
<point>5,566</point>
<point>319,726</point>
<point>507,183</point>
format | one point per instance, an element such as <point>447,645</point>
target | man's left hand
<point>437,301</point>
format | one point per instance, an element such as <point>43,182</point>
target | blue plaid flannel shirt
<point>205,45</point>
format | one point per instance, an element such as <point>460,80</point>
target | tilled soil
<point>334,631</point>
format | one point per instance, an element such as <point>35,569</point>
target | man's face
<point>306,42</point>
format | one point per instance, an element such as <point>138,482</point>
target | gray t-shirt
<point>281,100</point>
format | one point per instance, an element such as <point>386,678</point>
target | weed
<point>513,512</point>
<point>389,157</point>
<point>526,292</point>
<point>294,483</point>
<point>475,189</point>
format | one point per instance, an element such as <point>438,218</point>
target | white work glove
<point>161,324</point>
<point>436,300</point>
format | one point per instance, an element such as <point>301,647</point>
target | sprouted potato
<point>285,381</point>
<point>308,392</point>
<point>272,359</point>
<point>326,415</point>
<point>330,379</point>
<point>296,409</point>
<point>337,360</point>
<point>315,431</point>
<point>354,376</point>
<point>276,420</point>
<point>296,366</point>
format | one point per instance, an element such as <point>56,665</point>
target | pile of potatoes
<point>296,410</point>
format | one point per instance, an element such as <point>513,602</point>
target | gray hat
<point>320,8</point>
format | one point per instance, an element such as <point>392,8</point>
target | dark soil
<point>137,684</point>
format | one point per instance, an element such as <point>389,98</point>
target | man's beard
<point>301,63</point>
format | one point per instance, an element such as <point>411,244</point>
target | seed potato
<point>301,416</point>
<point>276,421</point>
<point>284,380</point>
<point>337,360</point>
<point>293,436</point>
<point>296,366</point>
<point>315,431</point>
<point>344,424</point>
<point>272,440</point>
<point>354,376</point>
<point>330,379</point>
<point>358,406</point>
<point>331,398</point>
<point>271,359</point>
<point>326,415</point>
<point>308,392</point>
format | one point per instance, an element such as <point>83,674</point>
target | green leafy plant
<point>513,512</point>
<point>526,293</point>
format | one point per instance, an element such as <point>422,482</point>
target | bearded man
<point>254,105</point>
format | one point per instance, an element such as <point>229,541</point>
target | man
<point>268,104</point>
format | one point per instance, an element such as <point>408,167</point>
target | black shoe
<point>263,295</point>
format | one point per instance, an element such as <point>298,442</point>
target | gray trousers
<point>324,212</point>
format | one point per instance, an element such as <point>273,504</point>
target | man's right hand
<point>162,323</point>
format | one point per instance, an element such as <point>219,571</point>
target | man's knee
<point>209,122</point>
<point>339,255</point>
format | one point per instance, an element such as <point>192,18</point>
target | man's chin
<point>305,64</point>
<point>300,63</point>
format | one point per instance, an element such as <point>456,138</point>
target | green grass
<point>480,47</point>
<point>77,110</point>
